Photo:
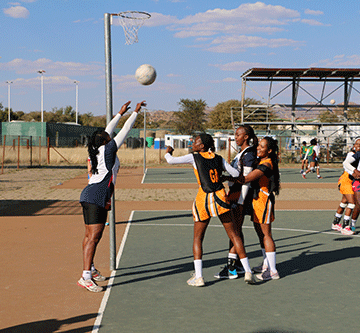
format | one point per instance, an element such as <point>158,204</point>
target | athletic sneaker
<point>319,177</point>
<point>260,269</point>
<point>301,171</point>
<point>347,231</point>
<point>267,275</point>
<point>225,273</point>
<point>249,278</point>
<point>353,228</point>
<point>303,175</point>
<point>336,226</point>
<point>96,275</point>
<point>89,285</point>
<point>196,282</point>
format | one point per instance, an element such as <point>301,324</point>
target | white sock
<point>265,262</point>
<point>86,275</point>
<point>93,268</point>
<point>338,215</point>
<point>198,268</point>
<point>245,263</point>
<point>232,256</point>
<point>271,257</point>
<point>353,222</point>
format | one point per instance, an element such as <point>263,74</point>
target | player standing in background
<point>311,157</point>
<point>240,196</point>
<point>304,162</point>
<point>317,158</point>
<point>211,201</point>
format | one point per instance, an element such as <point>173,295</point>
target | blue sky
<point>199,48</point>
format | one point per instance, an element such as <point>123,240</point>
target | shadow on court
<point>39,207</point>
<point>308,260</point>
<point>52,325</point>
<point>159,218</point>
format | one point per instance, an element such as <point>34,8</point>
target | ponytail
<point>273,145</point>
<point>96,140</point>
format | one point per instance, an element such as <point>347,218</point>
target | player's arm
<point>121,136</point>
<point>186,159</point>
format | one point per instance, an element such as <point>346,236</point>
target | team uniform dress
<point>346,180</point>
<point>211,199</point>
<point>303,151</point>
<point>264,199</point>
<point>245,161</point>
<point>310,154</point>
<point>350,164</point>
<point>96,196</point>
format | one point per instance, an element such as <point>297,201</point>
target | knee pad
<point>343,205</point>
<point>312,169</point>
<point>351,206</point>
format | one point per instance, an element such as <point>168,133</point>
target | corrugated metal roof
<point>302,72</point>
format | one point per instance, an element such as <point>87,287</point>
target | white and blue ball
<point>145,74</point>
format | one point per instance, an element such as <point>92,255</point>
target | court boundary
<point>104,301</point>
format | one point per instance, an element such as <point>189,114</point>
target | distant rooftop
<point>319,73</point>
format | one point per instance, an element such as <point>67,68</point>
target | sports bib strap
<point>209,170</point>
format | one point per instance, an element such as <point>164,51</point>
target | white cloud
<point>16,12</point>
<point>238,66</point>
<point>311,22</point>
<point>234,44</point>
<point>217,30</point>
<point>22,66</point>
<point>340,61</point>
<point>313,12</point>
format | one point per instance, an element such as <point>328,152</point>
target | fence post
<point>30,146</point>
<point>2,165</point>
<point>328,151</point>
<point>48,150</point>
<point>39,150</point>
<point>229,150</point>
<point>18,159</point>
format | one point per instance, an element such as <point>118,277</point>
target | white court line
<point>142,181</point>
<point>105,299</point>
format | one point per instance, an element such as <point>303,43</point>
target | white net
<point>131,22</point>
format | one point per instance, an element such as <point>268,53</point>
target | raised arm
<point>121,136</point>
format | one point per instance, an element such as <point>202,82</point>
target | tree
<point>328,117</point>
<point>191,117</point>
<point>220,117</point>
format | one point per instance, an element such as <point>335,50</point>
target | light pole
<point>42,94</point>
<point>76,100</point>
<point>9,82</point>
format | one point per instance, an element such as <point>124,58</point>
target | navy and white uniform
<point>101,185</point>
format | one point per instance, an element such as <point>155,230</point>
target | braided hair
<point>97,139</point>
<point>273,145</point>
<point>207,141</point>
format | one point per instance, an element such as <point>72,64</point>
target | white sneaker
<point>347,231</point>
<point>196,282</point>
<point>260,268</point>
<point>96,275</point>
<point>89,285</point>
<point>249,278</point>
<point>267,275</point>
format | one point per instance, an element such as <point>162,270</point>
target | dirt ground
<point>41,231</point>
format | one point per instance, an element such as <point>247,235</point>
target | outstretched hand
<point>124,108</point>
<point>139,105</point>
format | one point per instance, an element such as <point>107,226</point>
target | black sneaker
<point>225,273</point>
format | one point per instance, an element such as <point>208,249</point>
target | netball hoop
<point>131,21</point>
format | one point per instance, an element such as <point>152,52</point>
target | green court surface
<point>317,291</point>
<point>288,175</point>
